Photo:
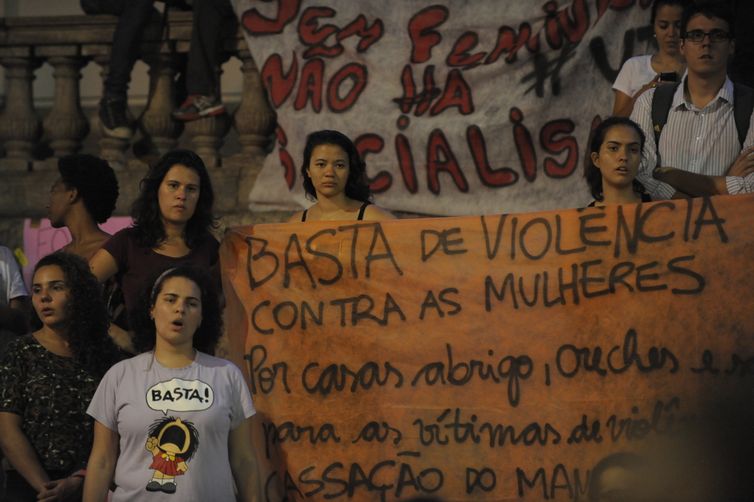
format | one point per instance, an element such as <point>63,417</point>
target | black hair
<point>662,3</point>
<point>146,208</point>
<point>592,173</point>
<point>357,185</point>
<point>193,439</point>
<point>95,182</point>
<point>87,320</point>
<point>625,460</point>
<point>709,10</point>
<point>209,331</point>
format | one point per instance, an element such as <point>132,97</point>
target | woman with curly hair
<point>335,176</point>
<point>172,226</point>
<point>173,419</point>
<point>83,197</point>
<point>47,379</point>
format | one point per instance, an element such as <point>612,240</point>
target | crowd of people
<point>116,318</point>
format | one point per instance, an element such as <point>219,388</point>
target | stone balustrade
<point>69,43</point>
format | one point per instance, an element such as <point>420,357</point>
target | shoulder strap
<point>362,209</point>
<point>661,102</point>
<point>743,105</point>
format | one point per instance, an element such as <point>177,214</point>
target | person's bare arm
<point>103,265</point>
<point>101,467</point>
<point>19,452</point>
<point>243,462</point>
<point>623,104</point>
<point>695,185</point>
<point>698,185</point>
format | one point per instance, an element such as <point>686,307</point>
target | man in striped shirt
<point>699,148</point>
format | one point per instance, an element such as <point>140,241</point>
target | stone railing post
<point>254,119</point>
<point>19,125</point>
<point>157,121</point>
<point>112,149</point>
<point>66,125</point>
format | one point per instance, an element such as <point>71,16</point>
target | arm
<point>623,105</point>
<point>243,462</point>
<point>696,185</point>
<point>103,265</point>
<point>738,179</point>
<point>19,452</point>
<point>101,466</point>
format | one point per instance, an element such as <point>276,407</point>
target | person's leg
<point>133,16</point>
<point>204,58</point>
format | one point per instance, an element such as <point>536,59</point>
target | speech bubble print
<point>180,395</point>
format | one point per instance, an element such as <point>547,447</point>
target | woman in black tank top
<point>335,177</point>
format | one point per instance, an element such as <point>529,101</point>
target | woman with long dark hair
<point>173,419</point>
<point>613,161</point>
<point>172,226</point>
<point>47,379</point>
<point>335,177</point>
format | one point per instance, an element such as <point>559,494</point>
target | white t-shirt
<point>173,423</point>
<point>635,73</point>
<point>11,282</point>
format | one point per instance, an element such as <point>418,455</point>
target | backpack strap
<point>743,106</point>
<point>661,102</point>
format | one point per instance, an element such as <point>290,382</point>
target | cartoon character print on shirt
<point>173,441</point>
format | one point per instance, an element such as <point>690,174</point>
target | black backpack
<point>743,105</point>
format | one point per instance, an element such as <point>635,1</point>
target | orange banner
<point>484,358</point>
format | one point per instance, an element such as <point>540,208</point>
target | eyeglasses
<point>715,36</point>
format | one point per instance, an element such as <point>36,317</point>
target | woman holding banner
<point>335,176</point>
<point>641,73</point>
<point>47,379</point>
<point>173,419</point>
<point>172,226</point>
<point>612,164</point>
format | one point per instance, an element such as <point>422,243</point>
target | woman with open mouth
<point>612,163</point>
<point>47,379</point>
<point>174,420</point>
